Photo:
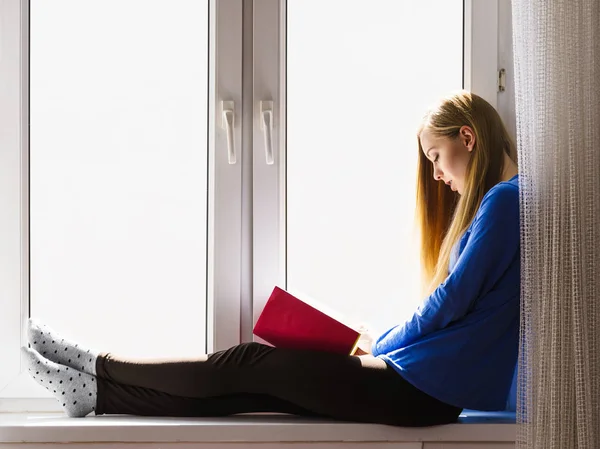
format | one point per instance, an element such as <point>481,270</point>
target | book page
<point>335,314</point>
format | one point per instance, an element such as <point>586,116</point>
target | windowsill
<point>266,428</point>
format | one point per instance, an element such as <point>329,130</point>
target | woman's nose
<point>437,174</point>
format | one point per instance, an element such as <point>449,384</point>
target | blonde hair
<point>442,216</point>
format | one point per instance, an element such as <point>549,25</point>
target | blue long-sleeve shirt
<point>461,344</point>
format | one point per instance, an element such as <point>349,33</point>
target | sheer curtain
<point>557,83</point>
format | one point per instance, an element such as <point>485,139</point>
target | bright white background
<point>118,159</point>
<point>359,80</point>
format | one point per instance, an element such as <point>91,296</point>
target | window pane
<point>118,172</point>
<point>359,80</point>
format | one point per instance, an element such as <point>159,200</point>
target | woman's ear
<point>467,137</point>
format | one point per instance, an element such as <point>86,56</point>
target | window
<point>357,86</point>
<point>118,172</point>
<point>350,84</point>
<point>112,200</point>
<point>138,219</point>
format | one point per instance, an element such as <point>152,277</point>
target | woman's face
<point>449,156</point>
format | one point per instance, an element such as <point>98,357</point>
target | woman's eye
<point>436,158</point>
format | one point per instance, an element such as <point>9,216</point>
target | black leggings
<point>253,377</point>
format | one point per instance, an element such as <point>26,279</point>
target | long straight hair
<point>442,215</point>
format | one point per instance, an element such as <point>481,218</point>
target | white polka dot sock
<point>76,392</point>
<point>55,348</point>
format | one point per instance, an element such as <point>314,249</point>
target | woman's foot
<point>54,347</point>
<point>76,392</point>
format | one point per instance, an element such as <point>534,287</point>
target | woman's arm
<point>490,249</point>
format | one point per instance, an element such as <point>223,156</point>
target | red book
<point>288,322</point>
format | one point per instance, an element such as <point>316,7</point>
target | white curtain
<point>557,71</point>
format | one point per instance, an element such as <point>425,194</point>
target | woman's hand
<point>359,351</point>
<point>365,341</point>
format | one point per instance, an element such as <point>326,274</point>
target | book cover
<point>288,322</point>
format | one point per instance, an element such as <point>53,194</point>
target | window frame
<point>14,221</point>
<point>269,186</point>
<point>480,46</point>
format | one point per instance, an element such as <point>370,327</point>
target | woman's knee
<point>244,354</point>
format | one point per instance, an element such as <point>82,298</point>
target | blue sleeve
<point>490,249</point>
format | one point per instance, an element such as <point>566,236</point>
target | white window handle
<point>228,123</point>
<point>266,124</point>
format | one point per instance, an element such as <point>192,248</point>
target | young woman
<point>457,351</point>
